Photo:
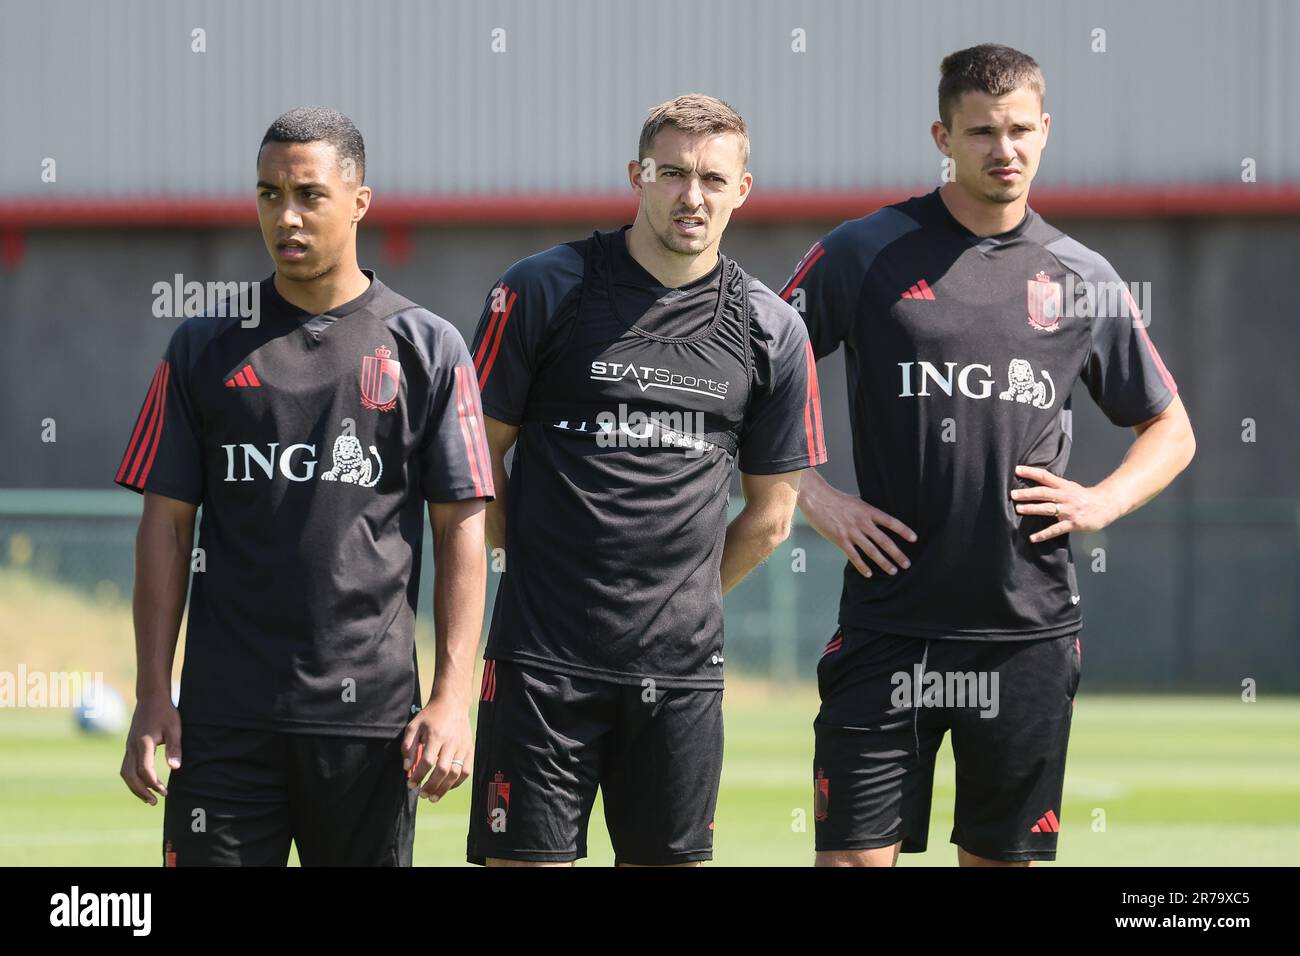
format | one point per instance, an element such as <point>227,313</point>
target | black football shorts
<point>546,741</point>
<point>241,796</point>
<point>887,701</point>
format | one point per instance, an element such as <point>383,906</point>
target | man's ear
<point>639,171</point>
<point>746,185</point>
<point>940,134</point>
<point>363,203</point>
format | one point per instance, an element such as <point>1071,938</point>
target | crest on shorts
<point>1044,303</point>
<point>821,796</point>
<point>381,380</point>
<point>498,802</point>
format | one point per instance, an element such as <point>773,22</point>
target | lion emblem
<point>1023,387</point>
<point>351,465</point>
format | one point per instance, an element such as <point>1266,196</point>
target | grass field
<point>1179,780</point>
<point>1174,780</point>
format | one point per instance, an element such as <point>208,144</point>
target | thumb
<point>174,744</point>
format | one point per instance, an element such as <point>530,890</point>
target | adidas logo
<point>244,378</point>
<point>919,291</point>
<point>1047,823</point>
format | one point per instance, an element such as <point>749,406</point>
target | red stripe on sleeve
<point>815,253</point>
<point>496,344</point>
<point>815,388</point>
<point>463,398</point>
<point>252,376</point>
<point>145,413</point>
<point>153,434</point>
<point>491,328</point>
<point>1136,316</point>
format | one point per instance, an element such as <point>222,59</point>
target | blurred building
<point>495,129</point>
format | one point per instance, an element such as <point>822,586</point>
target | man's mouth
<point>689,225</point>
<point>1004,172</point>
<point>291,248</point>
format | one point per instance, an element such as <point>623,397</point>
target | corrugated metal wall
<point>113,92</point>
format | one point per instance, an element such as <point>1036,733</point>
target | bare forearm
<point>162,563</point>
<point>751,538</point>
<point>812,488</point>
<point>1154,460</point>
<point>496,509</point>
<point>460,575</point>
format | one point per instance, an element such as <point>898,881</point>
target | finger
<point>872,552</point>
<point>466,770</point>
<point>1055,531</point>
<point>412,754</point>
<point>434,787</point>
<point>887,545</point>
<point>133,782</point>
<point>854,556</point>
<point>1038,493</point>
<point>455,776</point>
<point>1041,475</point>
<point>1046,510</point>
<point>893,524</point>
<point>172,738</point>
<point>419,765</point>
<point>146,772</point>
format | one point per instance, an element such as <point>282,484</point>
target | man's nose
<point>289,217</point>
<point>692,193</point>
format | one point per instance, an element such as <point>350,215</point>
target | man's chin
<point>300,271</point>
<point>1005,192</point>
<point>684,245</point>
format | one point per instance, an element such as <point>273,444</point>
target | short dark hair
<point>694,113</point>
<point>988,68</point>
<point>317,124</point>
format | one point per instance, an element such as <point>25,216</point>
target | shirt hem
<point>612,677</point>
<point>960,633</point>
<point>315,728</point>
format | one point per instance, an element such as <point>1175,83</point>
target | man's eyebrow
<point>263,184</point>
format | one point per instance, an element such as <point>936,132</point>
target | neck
<point>671,269</point>
<point>341,284</point>
<point>979,216</point>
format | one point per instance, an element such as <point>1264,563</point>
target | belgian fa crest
<point>1044,303</point>
<point>381,380</point>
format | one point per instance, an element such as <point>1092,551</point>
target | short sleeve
<point>1124,373</point>
<point>783,427</point>
<point>823,290</point>
<point>505,349</point>
<point>454,461</point>
<point>163,454</point>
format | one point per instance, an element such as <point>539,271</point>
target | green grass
<point>1180,780</point>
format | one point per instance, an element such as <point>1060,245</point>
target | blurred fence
<point>1164,615</point>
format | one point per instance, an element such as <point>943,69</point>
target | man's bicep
<point>170,512</point>
<point>445,515</point>
<point>1175,411</point>
<point>771,491</point>
<point>501,436</point>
